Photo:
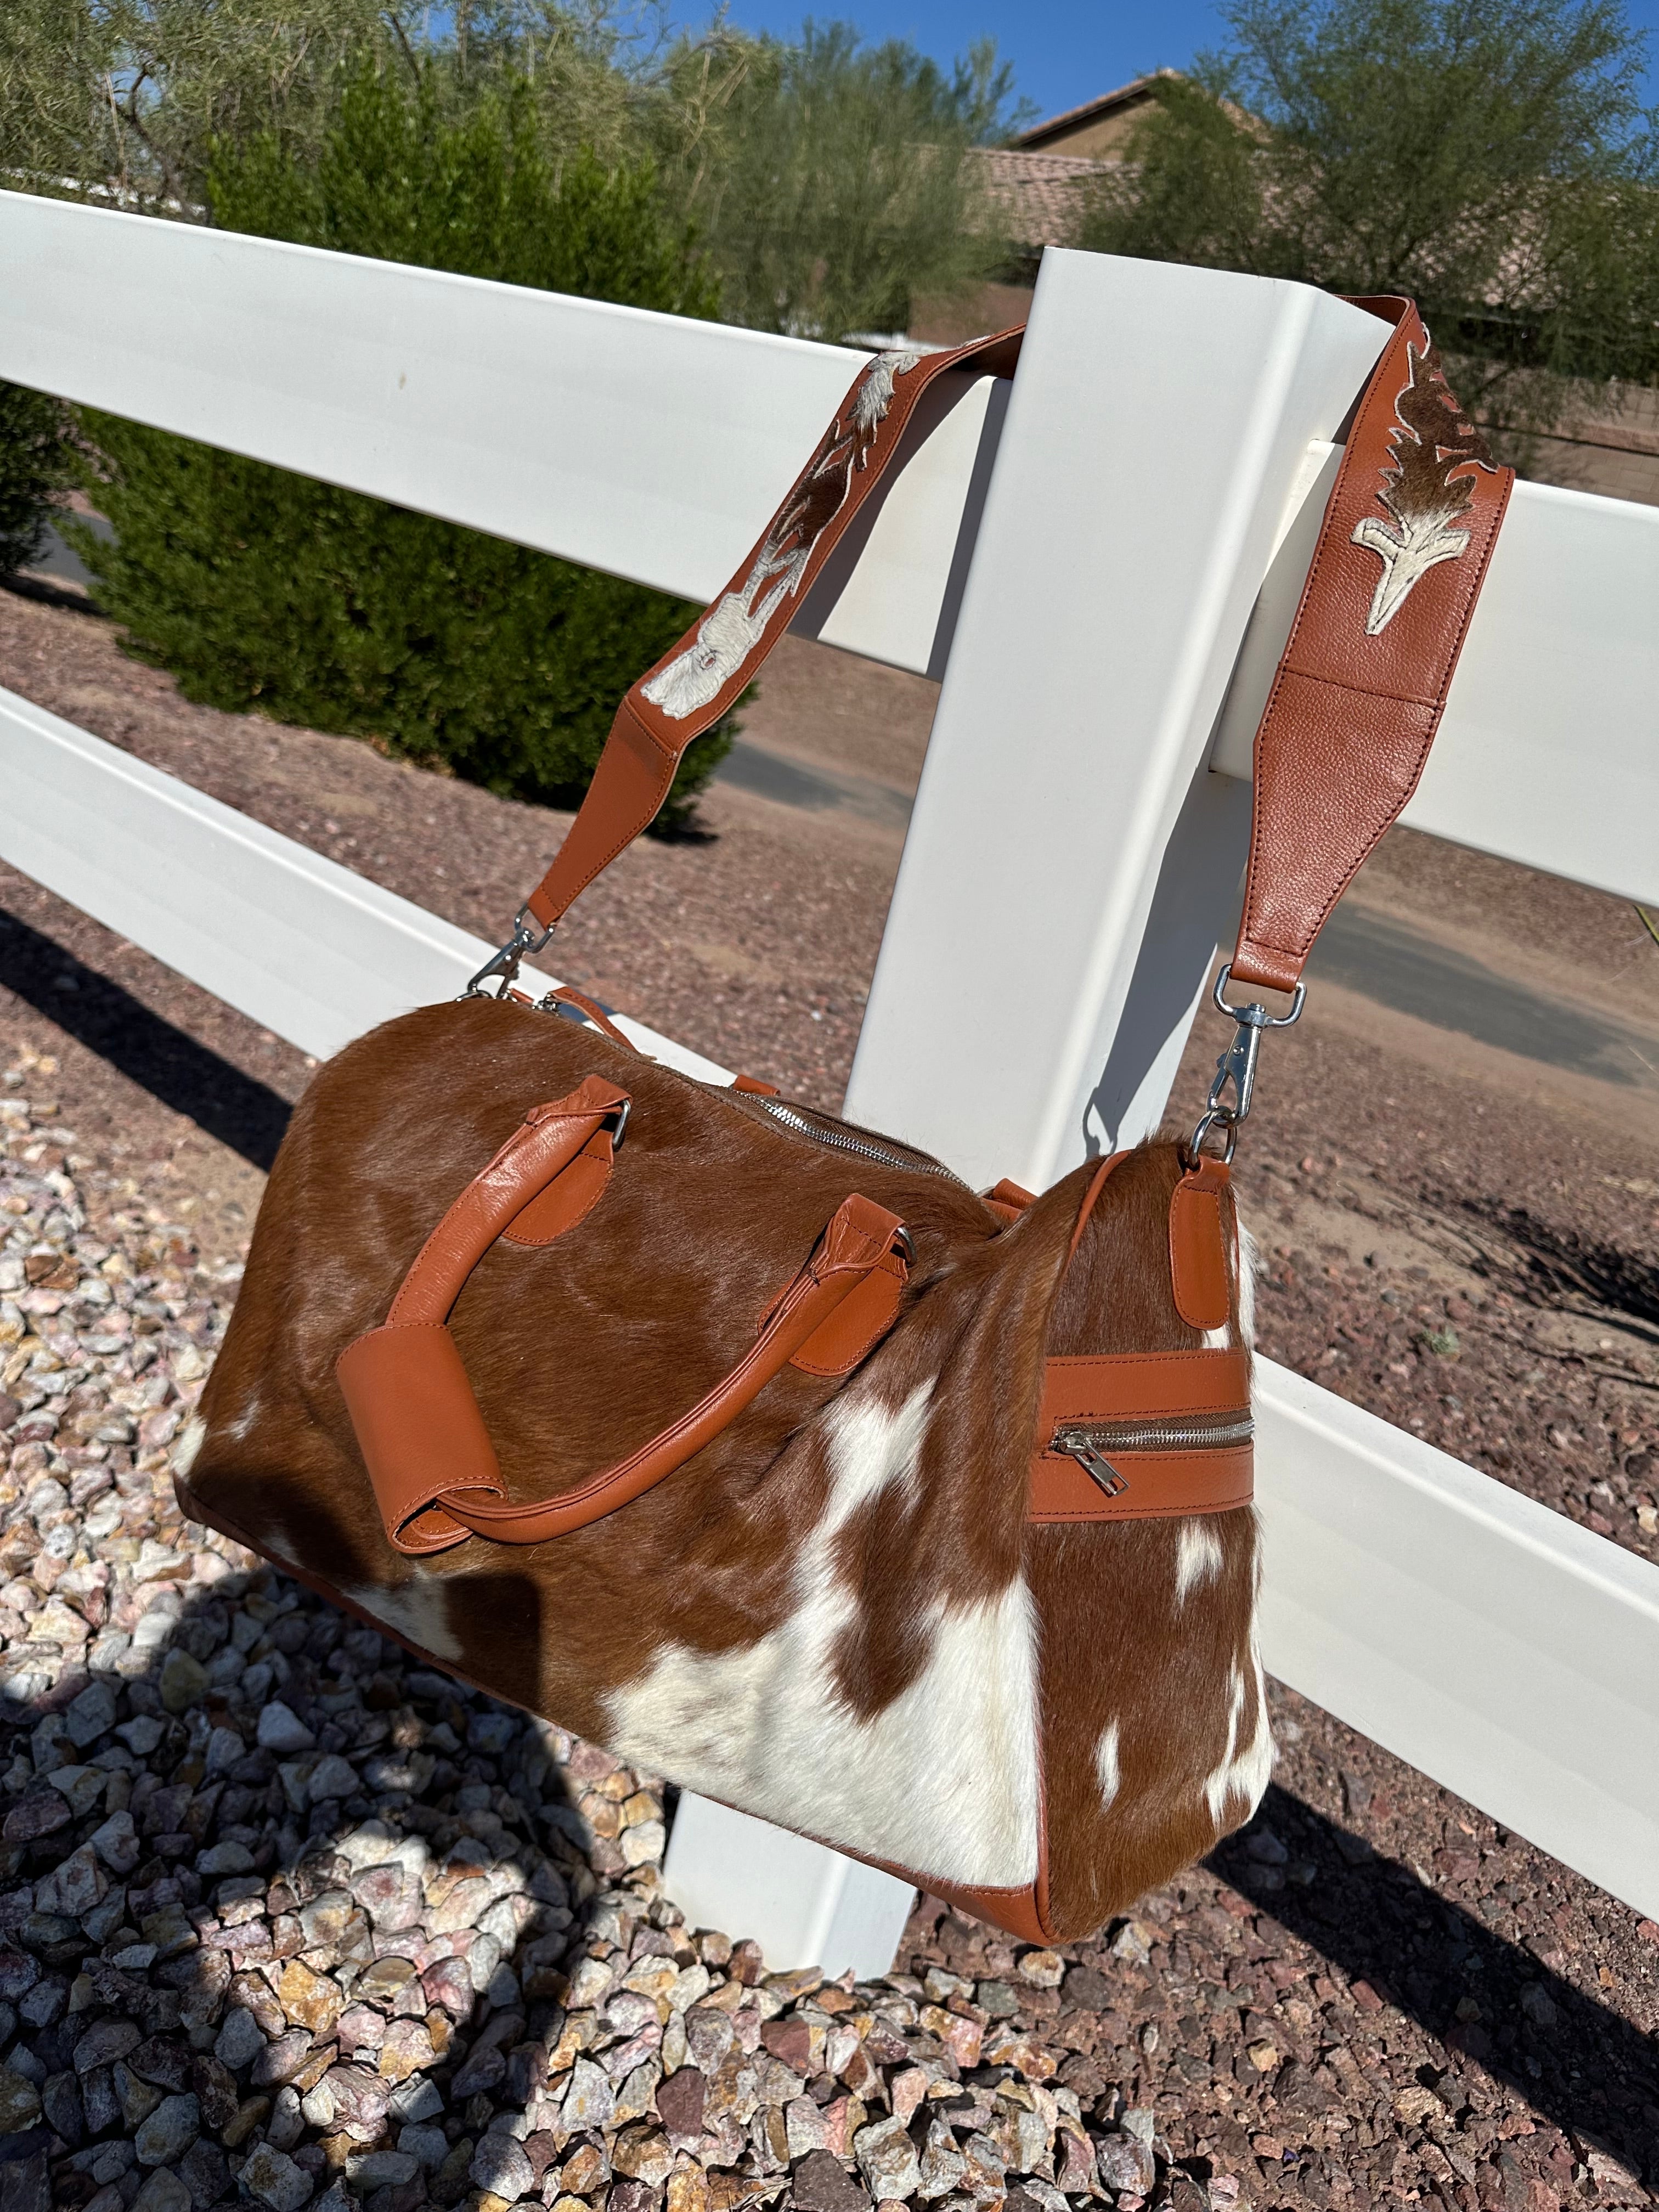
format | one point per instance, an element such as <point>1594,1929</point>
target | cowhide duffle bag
<point>759,1448</point>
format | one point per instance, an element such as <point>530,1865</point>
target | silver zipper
<point>1091,1445</point>
<point>842,1141</point>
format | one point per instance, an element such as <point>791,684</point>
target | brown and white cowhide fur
<point>836,1616</point>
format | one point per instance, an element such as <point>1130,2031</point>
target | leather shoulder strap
<point>1359,694</point>
<point>1407,534</point>
<point>704,675</point>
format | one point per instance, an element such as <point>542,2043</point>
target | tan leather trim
<point>1136,1386</point>
<point>1361,686</point>
<point>1162,1485</point>
<point>754,1086</point>
<point>1129,1385</point>
<point>858,1324</point>
<point>1016,1911</point>
<point>418,1428</point>
<point>1198,1247</point>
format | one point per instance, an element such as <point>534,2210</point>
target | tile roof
<point>1036,198</point>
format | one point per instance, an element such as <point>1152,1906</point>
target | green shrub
<point>34,467</point>
<point>257,588</point>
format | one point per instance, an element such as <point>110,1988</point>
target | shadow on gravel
<point>1571,2059</point>
<point>238,1109</point>
<point>1561,1266</point>
<point>232,1967</point>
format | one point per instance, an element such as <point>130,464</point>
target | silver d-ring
<point>1258,1017</point>
<point>1216,1118</point>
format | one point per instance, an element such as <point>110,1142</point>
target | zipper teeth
<point>1155,1435</point>
<point>843,1142</point>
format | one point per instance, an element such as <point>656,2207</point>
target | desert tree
<point>1493,159</point>
<point>831,180</point>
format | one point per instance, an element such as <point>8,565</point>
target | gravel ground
<point>1374,1996</point>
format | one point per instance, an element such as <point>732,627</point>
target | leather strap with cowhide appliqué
<point>704,675</point>
<point>1407,535</point>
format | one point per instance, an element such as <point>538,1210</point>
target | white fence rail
<point>1088,554</point>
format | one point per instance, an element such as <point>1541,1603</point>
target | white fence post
<point>804,1904</point>
<point>1157,436</point>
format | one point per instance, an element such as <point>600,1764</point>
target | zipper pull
<point>1080,1445</point>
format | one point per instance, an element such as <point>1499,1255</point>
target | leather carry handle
<point>418,1425</point>
<point>703,676</point>
<point>1403,551</point>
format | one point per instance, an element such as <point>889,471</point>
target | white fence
<point>1101,562</point>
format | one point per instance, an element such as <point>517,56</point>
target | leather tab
<point>858,1324</point>
<point>1198,1247</point>
<point>569,1197</point>
<point>419,1430</point>
<point>1009,1200</point>
<point>860,1236</point>
<point>1123,1387</point>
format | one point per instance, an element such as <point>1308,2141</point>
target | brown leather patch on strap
<point>1402,553</point>
<point>1198,1247</point>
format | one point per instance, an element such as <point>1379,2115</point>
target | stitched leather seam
<point>1211,1353</point>
<point>1053,1518</point>
<point>1365,690</point>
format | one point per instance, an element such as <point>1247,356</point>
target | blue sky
<point>1063,50</point>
